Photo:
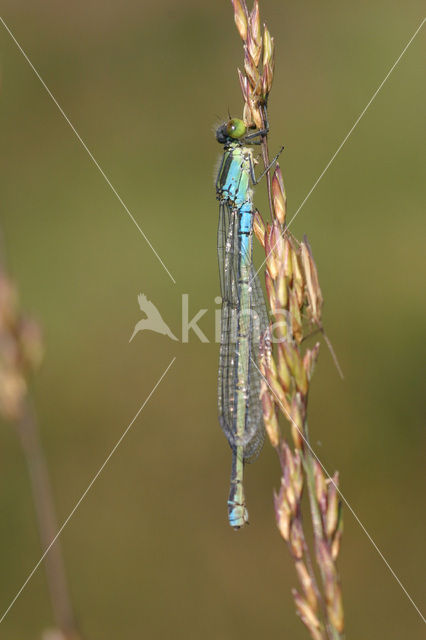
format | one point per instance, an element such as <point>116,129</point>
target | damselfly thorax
<point>235,173</point>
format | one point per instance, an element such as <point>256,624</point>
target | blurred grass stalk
<point>295,301</point>
<point>21,352</point>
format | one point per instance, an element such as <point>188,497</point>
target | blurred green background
<point>149,552</point>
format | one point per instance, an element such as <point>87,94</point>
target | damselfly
<point>244,318</point>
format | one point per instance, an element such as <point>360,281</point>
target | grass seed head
<point>298,278</point>
<point>333,597</point>
<point>297,539</point>
<point>253,48</point>
<point>312,284</point>
<point>292,284</point>
<point>268,47</point>
<point>259,227</point>
<point>281,289</point>
<point>296,318</point>
<point>308,617</point>
<point>270,291</point>
<point>307,585</point>
<point>295,364</point>
<point>320,489</point>
<point>240,17</point>
<point>244,84</point>
<point>271,263</point>
<point>282,514</point>
<point>251,70</point>
<point>254,22</point>
<point>283,370</point>
<point>279,197</point>
<point>332,516</point>
<point>267,79</point>
<point>296,422</point>
<point>337,538</point>
<point>298,474</point>
<point>269,415</point>
<point>309,360</point>
<point>247,115</point>
<point>256,113</point>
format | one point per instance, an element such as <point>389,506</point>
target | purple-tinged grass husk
<point>287,364</point>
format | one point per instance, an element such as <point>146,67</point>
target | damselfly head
<point>234,129</point>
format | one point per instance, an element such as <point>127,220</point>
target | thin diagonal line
<point>342,496</point>
<point>90,154</point>
<point>357,120</point>
<point>345,139</point>
<point>92,482</point>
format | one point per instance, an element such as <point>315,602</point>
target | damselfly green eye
<point>236,128</point>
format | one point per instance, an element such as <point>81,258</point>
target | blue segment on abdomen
<point>245,225</point>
